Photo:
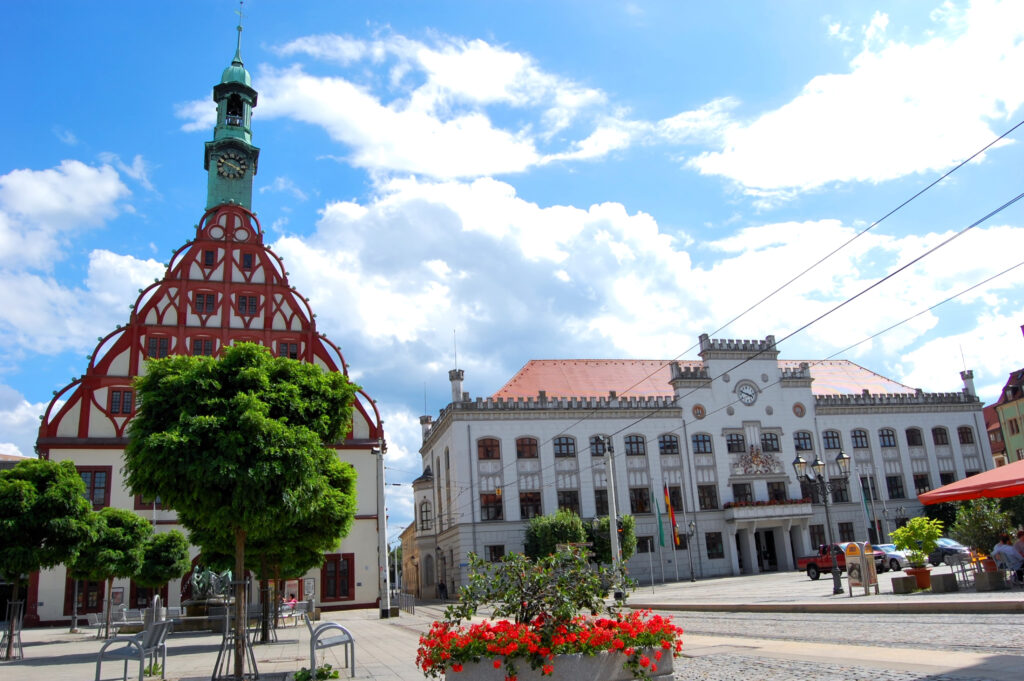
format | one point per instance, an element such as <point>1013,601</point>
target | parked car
<point>821,562</point>
<point>948,548</point>
<point>894,558</point>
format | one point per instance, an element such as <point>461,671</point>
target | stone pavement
<point>386,649</point>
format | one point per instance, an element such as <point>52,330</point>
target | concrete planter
<point>923,576</point>
<point>604,666</point>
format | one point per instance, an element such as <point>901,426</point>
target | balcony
<point>762,510</point>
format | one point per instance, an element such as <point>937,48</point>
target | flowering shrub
<point>544,598</point>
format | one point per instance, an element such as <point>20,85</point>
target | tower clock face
<point>747,393</point>
<point>231,165</point>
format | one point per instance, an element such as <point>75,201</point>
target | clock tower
<point>230,158</point>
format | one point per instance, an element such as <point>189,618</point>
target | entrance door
<point>764,544</point>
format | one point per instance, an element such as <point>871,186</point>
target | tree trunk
<point>74,610</point>
<point>239,604</point>
<point>110,600</point>
<point>10,622</point>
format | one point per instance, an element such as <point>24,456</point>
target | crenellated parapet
<point>729,348</point>
<point>919,400</point>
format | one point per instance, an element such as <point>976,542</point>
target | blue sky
<point>545,179</point>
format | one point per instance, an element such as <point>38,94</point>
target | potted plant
<point>918,539</point>
<point>978,524</point>
<point>548,621</point>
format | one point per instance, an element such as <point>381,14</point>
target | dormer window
<point>235,114</point>
<point>247,261</point>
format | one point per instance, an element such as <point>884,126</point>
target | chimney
<point>426,422</point>
<point>456,376</point>
<point>967,376</point>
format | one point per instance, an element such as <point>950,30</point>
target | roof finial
<point>238,47</point>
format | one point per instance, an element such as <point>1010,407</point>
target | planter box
<point>990,581</point>
<point>904,585</point>
<point>601,667</point>
<point>944,583</point>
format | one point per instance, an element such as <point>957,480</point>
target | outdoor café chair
<point>328,635</point>
<point>144,645</point>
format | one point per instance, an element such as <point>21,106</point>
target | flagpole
<point>661,540</point>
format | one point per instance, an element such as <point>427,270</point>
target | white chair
<point>151,641</point>
<point>328,635</point>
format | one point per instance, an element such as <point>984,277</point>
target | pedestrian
<point>1004,553</point>
<point>1019,544</point>
<point>442,590</point>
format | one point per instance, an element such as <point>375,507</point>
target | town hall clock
<point>231,165</point>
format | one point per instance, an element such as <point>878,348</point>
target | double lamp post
<point>817,475</point>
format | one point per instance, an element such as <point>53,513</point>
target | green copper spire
<point>230,157</point>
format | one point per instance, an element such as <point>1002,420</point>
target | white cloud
<point>902,108</point>
<point>139,169</point>
<point>284,184</point>
<point>19,422</point>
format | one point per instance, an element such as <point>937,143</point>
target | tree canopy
<point>545,532</point>
<point>43,518</point>
<point>602,545</point>
<point>237,445</point>
<point>165,557</point>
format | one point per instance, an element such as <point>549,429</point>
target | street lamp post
<point>817,475</point>
<point>691,530</point>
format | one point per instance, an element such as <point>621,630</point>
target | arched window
<point>235,111</point>
<point>426,517</point>
<point>701,443</point>
<point>668,444</point>
<point>597,446</point>
<point>860,439</point>
<point>831,439</point>
<point>488,448</point>
<point>914,437</point>
<point>635,445</point>
<point>565,446</point>
<point>887,437</point>
<point>940,435</point>
<point>526,448</point>
<point>966,435</point>
<point>735,443</point>
<point>802,441</point>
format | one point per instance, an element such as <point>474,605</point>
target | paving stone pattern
<point>729,667</point>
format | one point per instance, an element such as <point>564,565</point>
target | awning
<point>1004,481</point>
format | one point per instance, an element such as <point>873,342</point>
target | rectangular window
<point>887,437</point>
<point>289,350</point>
<point>966,435</point>
<point>147,504</point>
<point>922,484</point>
<point>914,437</point>
<point>90,596</point>
<point>158,347</point>
<point>869,488</point>
<point>817,536</point>
<point>122,401</point>
<point>490,507</point>
<point>777,491</point>
<point>802,441</point>
<point>600,502</point>
<point>639,500</point>
<point>742,492</point>
<point>97,484</point>
<point>735,444</point>
<point>337,577</point>
<point>247,261</point>
<point>716,549</point>
<point>569,499</point>
<point>846,532</point>
<point>526,448</point>
<point>770,442</point>
<point>675,497</point>
<point>860,439</point>
<point>495,553</point>
<point>894,485</point>
<point>529,505</point>
<point>840,491</point>
<point>209,258</point>
<point>940,436</point>
<point>488,448</point>
<point>668,445</point>
<point>202,347</point>
<point>831,440</point>
<point>947,478</point>
<point>635,445</point>
<point>701,443</point>
<point>564,447</point>
<point>707,497</point>
<point>426,516</point>
<point>248,306</point>
<point>1014,426</point>
<point>205,303</point>
<point>597,445</point>
<point>810,491</point>
<point>684,540</point>
<point>645,544</point>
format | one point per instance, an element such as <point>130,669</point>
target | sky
<point>528,180</point>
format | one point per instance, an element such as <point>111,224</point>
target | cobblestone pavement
<point>729,667</point>
<point>970,633</point>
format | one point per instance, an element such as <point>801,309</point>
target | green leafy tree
<point>237,443</point>
<point>1015,507</point>
<point>116,552</point>
<point>601,543</point>
<point>917,538</point>
<point>545,532</point>
<point>165,557</point>
<point>979,522</point>
<point>43,519</point>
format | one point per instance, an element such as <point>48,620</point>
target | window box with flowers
<point>772,508</point>
<point>539,631</point>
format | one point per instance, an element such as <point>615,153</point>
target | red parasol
<point>1004,481</point>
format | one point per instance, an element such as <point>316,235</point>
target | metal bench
<point>329,635</point>
<point>151,641</point>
